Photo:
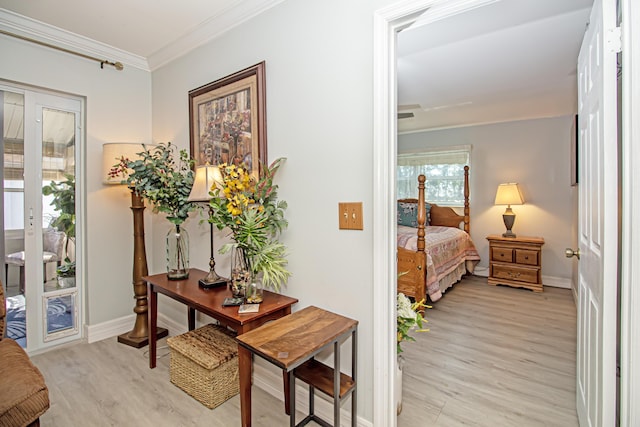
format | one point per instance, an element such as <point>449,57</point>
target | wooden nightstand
<point>516,261</point>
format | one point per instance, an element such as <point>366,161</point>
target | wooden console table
<point>291,344</point>
<point>209,302</point>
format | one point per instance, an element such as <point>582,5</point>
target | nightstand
<point>516,261</point>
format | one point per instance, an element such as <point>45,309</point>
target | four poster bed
<point>434,252</point>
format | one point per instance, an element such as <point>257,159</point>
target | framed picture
<point>227,120</point>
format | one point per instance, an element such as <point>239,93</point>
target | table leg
<point>245,367</point>
<point>153,322</point>
<point>191,318</point>
<point>287,385</point>
<point>292,399</point>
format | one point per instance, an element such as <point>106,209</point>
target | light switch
<point>350,216</point>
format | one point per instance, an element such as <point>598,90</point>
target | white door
<point>40,202</point>
<point>598,213</point>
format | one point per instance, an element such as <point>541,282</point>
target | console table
<point>209,302</point>
<point>291,344</point>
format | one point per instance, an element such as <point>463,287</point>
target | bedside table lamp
<point>206,178</point>
<point>509,194</point>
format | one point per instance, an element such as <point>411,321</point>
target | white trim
<point>630,294</point>
<point>24,26</point>
<point>121,325</point>
<point>556,282</point>
<point>387,21</point>
<point>210,29</point>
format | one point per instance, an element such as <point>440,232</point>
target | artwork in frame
<point>227,121</point>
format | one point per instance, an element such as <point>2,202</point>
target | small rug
<point>58,316</point>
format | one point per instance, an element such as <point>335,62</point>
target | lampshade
<point>112,153</point>
<point>509,194</point>
<point>206,178</point>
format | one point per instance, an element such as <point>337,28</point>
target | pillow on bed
<point>444,217</point>
<point>408,214</point>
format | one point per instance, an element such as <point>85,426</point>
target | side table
<point>291,343</point>
<point>516,261</point>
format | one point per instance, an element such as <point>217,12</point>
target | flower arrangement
<point>408,317</point>
<point>251,210</point>
<point>159,178</point>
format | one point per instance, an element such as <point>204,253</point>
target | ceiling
<point>508,60</point>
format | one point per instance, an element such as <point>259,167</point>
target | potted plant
<point>165,181</point>
<point>66,274</point>
<point>64,202</point>
<point>249,208</point>
<point>408,318</point>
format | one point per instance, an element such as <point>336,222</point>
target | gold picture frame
<point>227,120</point>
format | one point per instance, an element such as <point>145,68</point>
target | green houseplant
<point>64,202</point>
<point>250,209</point>
<point>408,318</point>
<point>165,180</point>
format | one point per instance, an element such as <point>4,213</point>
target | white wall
<point>319,107</point>
<point>533,153</point>
<point>118,108</point>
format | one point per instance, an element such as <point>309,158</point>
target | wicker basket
<point>204,363</point>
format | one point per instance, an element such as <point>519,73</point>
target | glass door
<point>51,256</point>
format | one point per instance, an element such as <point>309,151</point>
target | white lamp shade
<point>509,194</point>
<point>112,153</point>
<point>206,178</point>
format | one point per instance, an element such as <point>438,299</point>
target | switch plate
<point>350,216</point>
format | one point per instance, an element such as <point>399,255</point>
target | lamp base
<point>509,234</point>
<point>139,342</point>
<point>207,285</point>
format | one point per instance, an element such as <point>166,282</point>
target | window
<point>444,170</point>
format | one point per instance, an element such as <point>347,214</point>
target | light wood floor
<point>494,356</point>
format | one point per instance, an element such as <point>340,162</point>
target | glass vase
<point>240,273</point>
<point>255,289</point>
<point>177,253</point>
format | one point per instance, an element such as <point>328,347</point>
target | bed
<point>434,246</point>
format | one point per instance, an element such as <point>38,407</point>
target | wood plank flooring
<point>494,356</point>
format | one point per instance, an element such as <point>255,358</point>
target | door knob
<point>570,252</point>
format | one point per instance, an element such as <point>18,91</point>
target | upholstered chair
<point>24,396</point>
<point>53,244</point>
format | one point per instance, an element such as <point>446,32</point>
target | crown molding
<point>209,30</point>
<point>27,27</point>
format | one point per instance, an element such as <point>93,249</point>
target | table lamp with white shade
<point>509,194</point>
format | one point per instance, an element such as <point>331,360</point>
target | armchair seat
<point>24,396</point>
<point>53,245</point>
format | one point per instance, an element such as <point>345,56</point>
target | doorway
<point>41,144</point>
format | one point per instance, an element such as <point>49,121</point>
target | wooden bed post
<point>466,199</point>
<point>422,214</point>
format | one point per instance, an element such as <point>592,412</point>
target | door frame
<point>39,98</point>
<point>389,20</point>
<point>630,265</point>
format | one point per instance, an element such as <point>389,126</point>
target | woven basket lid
<point>208,346</point>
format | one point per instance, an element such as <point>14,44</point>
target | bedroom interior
<point>146,101</point>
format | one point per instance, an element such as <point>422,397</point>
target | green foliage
<point>255,217</point>
<point>162,180</point>
<point>64,202</point>
<point>408,318</point>
<point>68,269</point>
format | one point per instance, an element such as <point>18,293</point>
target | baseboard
<point>553,281</point>
<point>115,327</point>
<point>556,282</point>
